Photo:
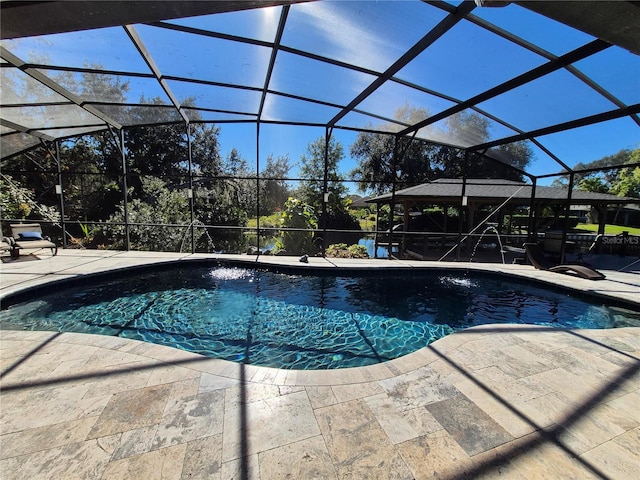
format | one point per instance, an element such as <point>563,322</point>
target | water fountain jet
<point>490,227</point>
<point>197,223</point>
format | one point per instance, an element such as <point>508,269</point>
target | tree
<point>158,150</point>
<point>226,199</point>
<point>101,148</point>
<point>90,181</point>
<point>157,165</point>
<point>274,190</point>
<point>235,165</point>
<point>223,203</point>
<point>90,164</point>
<point>205,150</point>
<point>17,202</point>
<point>593,184</point>
<point>517,155</point>
<point>628,184</point>
<point>162,150</point>
<point>466,128</point>
<point>243,187</point>
<point>471,129</point>
<point>419,161</point>
<point>608,176</point>
<point>312,171</point>
<point>300,216</point>
<point>37,170</point>
<point>376,170</point>
<point>335,214</point>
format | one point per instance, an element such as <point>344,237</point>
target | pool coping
<point>389,369</point>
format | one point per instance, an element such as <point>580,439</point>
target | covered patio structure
<point>435,215</point>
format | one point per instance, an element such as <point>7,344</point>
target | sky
<point>372,35</point>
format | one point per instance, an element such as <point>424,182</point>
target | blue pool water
<point>304,321</point>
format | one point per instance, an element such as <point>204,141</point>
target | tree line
<point>605,176</point>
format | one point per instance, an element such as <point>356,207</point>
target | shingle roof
<point>488,190</point>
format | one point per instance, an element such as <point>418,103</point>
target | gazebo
<point>482,202</point>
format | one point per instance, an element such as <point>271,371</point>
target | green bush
<point>341,250</point>
<point>160,205</point>
<point>299,215</point>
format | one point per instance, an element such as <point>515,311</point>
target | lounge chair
<point>541,262</point>
<point>28,236</point>
<point>5,244</point>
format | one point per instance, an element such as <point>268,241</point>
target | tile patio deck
<point>516,402</point>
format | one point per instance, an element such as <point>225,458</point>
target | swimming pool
<point>304,321</point>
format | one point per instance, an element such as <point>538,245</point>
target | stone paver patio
<point>496,401</point>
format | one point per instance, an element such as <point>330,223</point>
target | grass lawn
<point>608,229</point>
<point>266,221</point>
<point>367,225</point>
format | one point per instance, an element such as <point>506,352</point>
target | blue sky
<point>464,62</point>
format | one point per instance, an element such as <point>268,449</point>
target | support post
<point>406,205</point>
<point>565,224</point>
<point>602,223</point>
<point>602,218</point>
<point>125,193</point>
<point>463,208</point>
<point>325,188</point>
<point>258,186</point>
<point>191,194</point>
<point>392,206</point>
<point>377,227</point>
<point>533,214</point>
<point>60,192</point>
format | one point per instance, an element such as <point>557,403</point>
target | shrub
<point>338,222</point>
<point>341,250</point>
<point>160,206</point>
<point>297,214</point>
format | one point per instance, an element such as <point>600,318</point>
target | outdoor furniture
<point>552,243</point>
<point>581,251</point>
<point>5,244</point>
<point>536,256</point>
<point>28,236</point>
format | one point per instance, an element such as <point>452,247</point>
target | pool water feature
<point>302,321</point>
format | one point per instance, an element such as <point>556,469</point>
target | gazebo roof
<point>492,190</point>
<point>561,75</point>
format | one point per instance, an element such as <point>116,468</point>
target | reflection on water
<point>370,244</point>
